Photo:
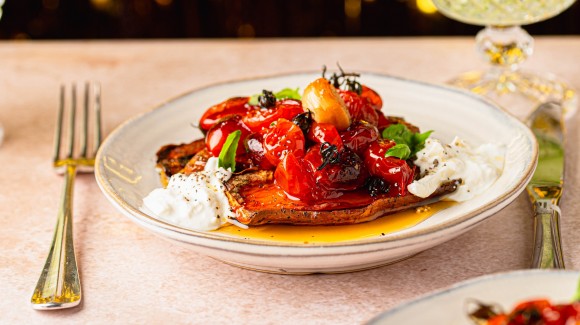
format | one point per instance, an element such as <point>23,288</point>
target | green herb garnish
<point>286,93</point>
<point>408,143</point>
<point>227,157</point>
<point>401,151</point>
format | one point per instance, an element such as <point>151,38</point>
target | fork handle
<point>547,252</point>
<point>59,284</point>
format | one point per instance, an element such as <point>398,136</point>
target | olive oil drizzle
<point>332,234</point>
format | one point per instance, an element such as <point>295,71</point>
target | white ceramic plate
<point>125,171</point>
<point>449,306</point>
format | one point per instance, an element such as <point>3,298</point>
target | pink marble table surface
<point>132,276</point>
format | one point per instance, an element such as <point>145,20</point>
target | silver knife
<point>545,188</point>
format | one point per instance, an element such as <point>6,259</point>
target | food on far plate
<point>530,312</point>
<point>329,156</point>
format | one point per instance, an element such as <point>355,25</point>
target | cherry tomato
<point>232,106</point>
<point>567,313</point>
<point>347,174</point>
<point>217,135</point>
<point>383,122</point>
<point>393,170</point>
<point>498,320</point>
<point>325,132</point>
<point>538,304</point>
<point>372,97</point>
<point>531,311</point>
<point>281,138</point>
<point>260,118</point>
<point>294,177</point>
<point>539,311</point>
<point>256,151</point>
<point>359,136</point>
<point>359,107</point>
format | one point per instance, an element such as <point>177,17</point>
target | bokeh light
<point>110,19</point>
<point>426,6</point>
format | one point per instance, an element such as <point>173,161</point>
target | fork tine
<point>84,134</point>
<point>58,129</point>
<point>71,138</point>
<point>98,125</point>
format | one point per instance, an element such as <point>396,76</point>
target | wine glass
<point>505,45</point>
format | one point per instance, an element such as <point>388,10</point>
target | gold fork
<point>59,284</point>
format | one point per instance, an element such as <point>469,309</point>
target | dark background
<point>96,19</point>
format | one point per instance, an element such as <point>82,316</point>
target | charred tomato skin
<point>393,170</point>
<point>217,135</point>
<point>304,121</point>
<point>348,174</point>
<point>359,136</point>
<point>232,106</point>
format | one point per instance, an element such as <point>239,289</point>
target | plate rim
<point>141,217</point>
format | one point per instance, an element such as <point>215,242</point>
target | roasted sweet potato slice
<point>257,201</point>
<point>172,158</point>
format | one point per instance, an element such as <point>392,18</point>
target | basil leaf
<point>254,99</point>
<point>419,140</point>
<point>286,93</point>
<point>401,151</point>
<point>227,157</point>
<point>401,134</point>
<point>398,133</point>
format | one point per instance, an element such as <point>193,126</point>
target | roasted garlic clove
<point>322,99</point>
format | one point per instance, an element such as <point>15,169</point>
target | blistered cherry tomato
<point>359,136</point>
<point>281,138</point>
<point>538,304</point>
<point>539,311</point>
<point>256,151</point>
<point>383,122</point>
<point>372,97</point>
<point>217,135</point>
<point>522,312</point>
<point>294,177</point>
<point>260,118</point>
<point>359,107</point>
<point>393,170</point>
<point>346,174</point>
<point>325,132</point>
<point>568,313</point>
<point>232,106</point>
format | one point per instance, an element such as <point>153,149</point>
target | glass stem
<point>504,47</point>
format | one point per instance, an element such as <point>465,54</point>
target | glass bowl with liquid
<point>505,45</point>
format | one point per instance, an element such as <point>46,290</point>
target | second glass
<point>505,45</point>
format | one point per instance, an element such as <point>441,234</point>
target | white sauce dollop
<point>195,201</point>
<point>477,168</point>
